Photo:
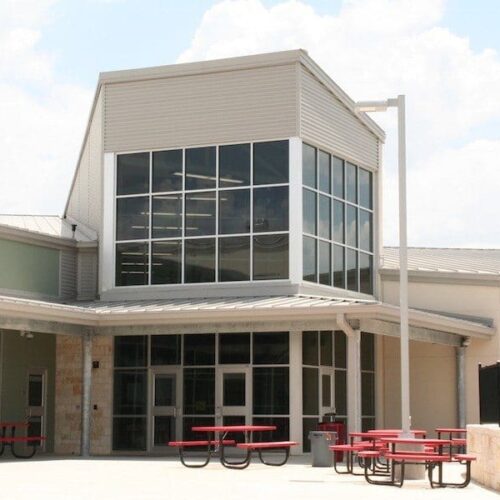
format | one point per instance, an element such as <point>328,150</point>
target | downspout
<point>461,401</point>
<point>353,374</point>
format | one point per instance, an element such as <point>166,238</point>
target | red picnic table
<point>217,439</point>
<point>10,438</point>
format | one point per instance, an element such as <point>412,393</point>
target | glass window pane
<point>324,175</point>
<point>338,267</point>
<point>282,432</point>
<point>234,165</point>
<point>365,188</point>
<point>129,433</point>
<point>338,221</point>
<point>310,348</point>
<point>326,348</point>
<point>308,165</point>
<point>270,257</point>
<point>308,424</point>
<point>132,218</point>
<point>199,260</point>
<point>270,162</point>
<point>199,349</point>
<point>164,387</point>
<point>309,203</point>
<point>164,429</point>
<point>167,170</point>
<point>309,260</point>
<point>341,392</point>
<point>233,392</point>
<point>338,177</point>
<point>351,185</point>
<point>326,391</point>
<point>234,259</point>
<point>130,351</point>
<point>365,230</point>
<point>234,348</point>
<point>200,168</point>
<point>340,349</point>
<point>325,263</point>
<point>167,216</point>
<point>365,273</point>
<point>199,391</point>
<point>310,391</point>
<point>35,390</point>
<point>234,211</point>
<point>271,391</point>
<point>130,392</point>
<point>132,264</point>
<point>367,349</point>
<point>200,214</point>
<point>165,349</point>
<point>352,269</point>
<point>270,348</point>
<point>351,228</point>
<point>166,262</point>
<point>132,173</point>
<point>325,217</point>
<point>368,393</point>
<point>270,209</point>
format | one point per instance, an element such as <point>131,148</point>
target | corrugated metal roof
<point>446,260</point>
<point>49,225</point>
<point>219,304</point>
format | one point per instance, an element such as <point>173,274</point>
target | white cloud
<point>381,48</point>
<point>41,119</point>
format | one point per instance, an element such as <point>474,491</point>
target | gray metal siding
<point>67,288</point>
<point>326,122</point>
<point>86,196</point>
<point>211,108</point>
<point>87,276</point>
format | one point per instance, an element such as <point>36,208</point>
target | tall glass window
<point>337,205</point>
<point>202,215</point>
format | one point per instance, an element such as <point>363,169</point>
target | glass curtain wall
<point>203,215</point>
<point>198,357</point>
<point>337,222</point>
<point>324,379</point>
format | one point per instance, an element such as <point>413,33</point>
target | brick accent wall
<point>69,395</point>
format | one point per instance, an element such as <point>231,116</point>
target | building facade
<point>219,260</point>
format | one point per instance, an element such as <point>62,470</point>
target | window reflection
<point>132,218</point>
<point>200,168</point>
<point>199,260</point>
<point>270,162</point>
<point>167,170</point>
<point>234,258</point>
<point>167,216</point>
<point>309,259</point>
<point>270,209</point>
<point>234,165</point>
<point>132,173</point>
<point>166,262</point>
<point>234,211</point>
<point>200,214</point>
<point>132,264</point>
<point>270,257</point>
<point>324,172</point>
<point>308,165</point>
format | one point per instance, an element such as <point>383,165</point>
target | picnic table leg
<point>239,464</point>
<point>28,455</point>
<point>275,464</point>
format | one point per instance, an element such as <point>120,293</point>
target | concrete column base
<point>416,471</point>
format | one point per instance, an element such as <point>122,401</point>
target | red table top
<point>234,428</point>
<point>14,424</point>
<point>417,432</point>
<point>451,430</point>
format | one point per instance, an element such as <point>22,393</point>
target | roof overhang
<point>231,315</point>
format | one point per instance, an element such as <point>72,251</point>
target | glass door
<point>36,403</point>
<point>233,396</point>
<point>327,404</point>
<point>165,412</point>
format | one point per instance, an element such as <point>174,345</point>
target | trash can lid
<point>317,434</point>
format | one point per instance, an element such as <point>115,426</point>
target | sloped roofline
<point>222,65</point>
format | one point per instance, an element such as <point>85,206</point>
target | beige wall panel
<point>201,109</point>
<point>471,300</point>
<point>85,198</point>
<point>326,122</point>
<point>433,399</point>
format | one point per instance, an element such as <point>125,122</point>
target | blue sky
<point>443,54</point>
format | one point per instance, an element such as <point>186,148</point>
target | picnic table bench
<point>10,439</point>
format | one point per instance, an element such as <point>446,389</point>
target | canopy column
<point>460,356</point>
<point>86,393</point>
<point>353,374</point>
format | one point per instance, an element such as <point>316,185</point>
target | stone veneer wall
<point>484,442</point>
<point>69,395</point>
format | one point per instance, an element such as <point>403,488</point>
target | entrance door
<point>327,404</point>
<point>36,402</point>
<point>165,412</point>
<point>233,396</point>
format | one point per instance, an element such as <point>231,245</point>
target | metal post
<point>460,354</point>
<point>403,271</point>
<point>86,387</point>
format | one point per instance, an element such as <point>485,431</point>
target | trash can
<point>321,454</point>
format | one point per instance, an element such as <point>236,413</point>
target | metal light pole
<point>372,106</point>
